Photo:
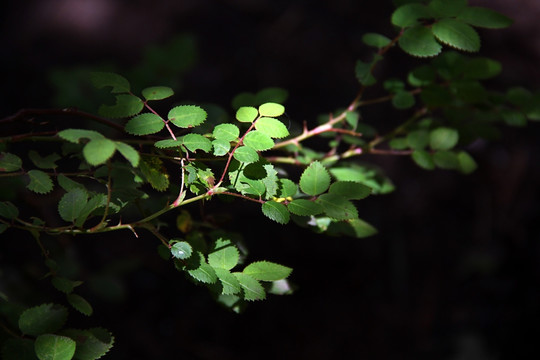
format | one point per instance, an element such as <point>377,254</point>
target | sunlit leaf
<point>246,114</point>
<point>272,127</point>
<point>258,140</point>
<point>98,151</point>
<point>118,83</point>
<point>186,116</point>
<point>226,132</point>
<point>253,290</point>
<point>126,105</point>
<point>223,255</point>
<point>157,92</point>
<point>267,271</point>
<point>271,109</point>
<point>181,250</point>
<point>276,211</point>
<point>246,154</point>
<point>128,152</point>
<point>194,142</point>
<point>315,179</point>
<point>145,124</point>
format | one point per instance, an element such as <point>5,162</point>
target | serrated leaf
<point>145,124</point>
<point>181,250</point>
<point>271,109</point>
<point>54,347</point>
<point>258,140</point>
<point>8,210</point>
<point>18,349</point>
<point>80,304</point>
<point>226,132</point>
<point>350,190</point>
<point>126,105</point>
<point>72,203</point>
<point>337,207</point>
<point>246,114</point>
<point>446,160</point>
<point>376,40</point>
<point>40,182</point>
<point>97,201</point>
<point>128,152</point>
<point>315,179</point>
<point>64,285</point>
<point>221,147</point>
<point>246,154</point>
<point>484,17</point>
<point>224,255</point>
<point>423,159</point>
<point>409,15</point>
<point>403,100</point>
<point>419,41</point>
<point>229,282</point>
<point>92,344</point>
<point>187,116</point>
<point>456,34</point>
<point>47,162</point>
<point>303,207</point>
<point>157,92</point>
<point>287,188</point>
<point>447,8</point>
<point>75,135</point>
<point>203,272</point>
<point>155,173</point>
<point>194,142</point>
<point>443,138</point>
<point>118,83</point>
<point>253,290</point>
<point>272,127</point>
<point>97,152</point>
<point>168,143</point>
<point>9,162</point>
<point>46,318</point>
<point>267,271</point>
<point>276,211</point>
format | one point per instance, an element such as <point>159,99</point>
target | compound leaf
<point>226,132</point>
<point>253,290</point>
<point>272,127</point>
<point>46,318</point>
<point>126,105</point>
<point>80,304</point>
<point>304,207</point>
<point>118,83</point>
<point>40,182</point>
<point>194,142</point>
<point>267,271</point>
<point>258,140</point>
<point>72,204</point>
<point>145,124</point>
<point>419,41</point>
<point>315,179</point>
<point>186,116</point>
<point>456,34</point>
<point>276,211</point>
<point>157,92</point>
<point>484,17</point>
<point>9,162</point>
<point>98,151</point>
<point>271,109</point>
<point>337,207</point>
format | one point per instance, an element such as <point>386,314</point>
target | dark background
<point>453,272</point>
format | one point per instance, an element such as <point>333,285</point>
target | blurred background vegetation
<point>453,272</point>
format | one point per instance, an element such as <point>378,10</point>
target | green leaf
<point>419,41</point>
<point>337,207</point>
<point>363,73</point>
<point>247,114</point>
<point>403,100</point>
<point>271,94</point>
<point>258,140</point>
<point>287,188</point>
<point>8,210</point>
<point>54,347</point>
<point>64,285</point>
<point>145,124</point>
<point>271,109</point>
<point>157,92</point>
<point>276,211</point>
<point>97,201</point>
<point>47,162</point>
<point>304,207</point>
<point>467,165</point>
<point>194,142</point>
<point>203,272</point>
<point>456,34</point>
<point>68,184</point>
<point>513,117</point>
<point>92,344</point>
<point>272,127</point>
<point>446,160</point>
<point>447,8</point>
<point>315,179</point>
<point>224,255</point>
<point>253,290</point>
<point>267,271</point>
<point>350,190</point>
<point>46,318</point>
<point>80,304</point>
<point>126,105</point>
<point>485,18</point>
<point>409,15</point>
<point>376,40</point>
<point>226,132</point>
<point>98,151</point>
<point>229,282</point>
<point>186,116</point>
<point>154,172</point>
<point>9,162</point>
<point>18,349</point>
<point>102,79</point>
<point>75,135</point>
<point>422,76</point>
<point>357,228</point>
<point>221,147</point>
<point>423,159</point>
<point>181,250</point>
<point>40,182</point>
<point>443,138</point>
<point>128,152</point>
<point>481,69</point>
<point>72,203</point>
<point>246,154</point>
<point>418,139</point>
<point>168,143</point>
